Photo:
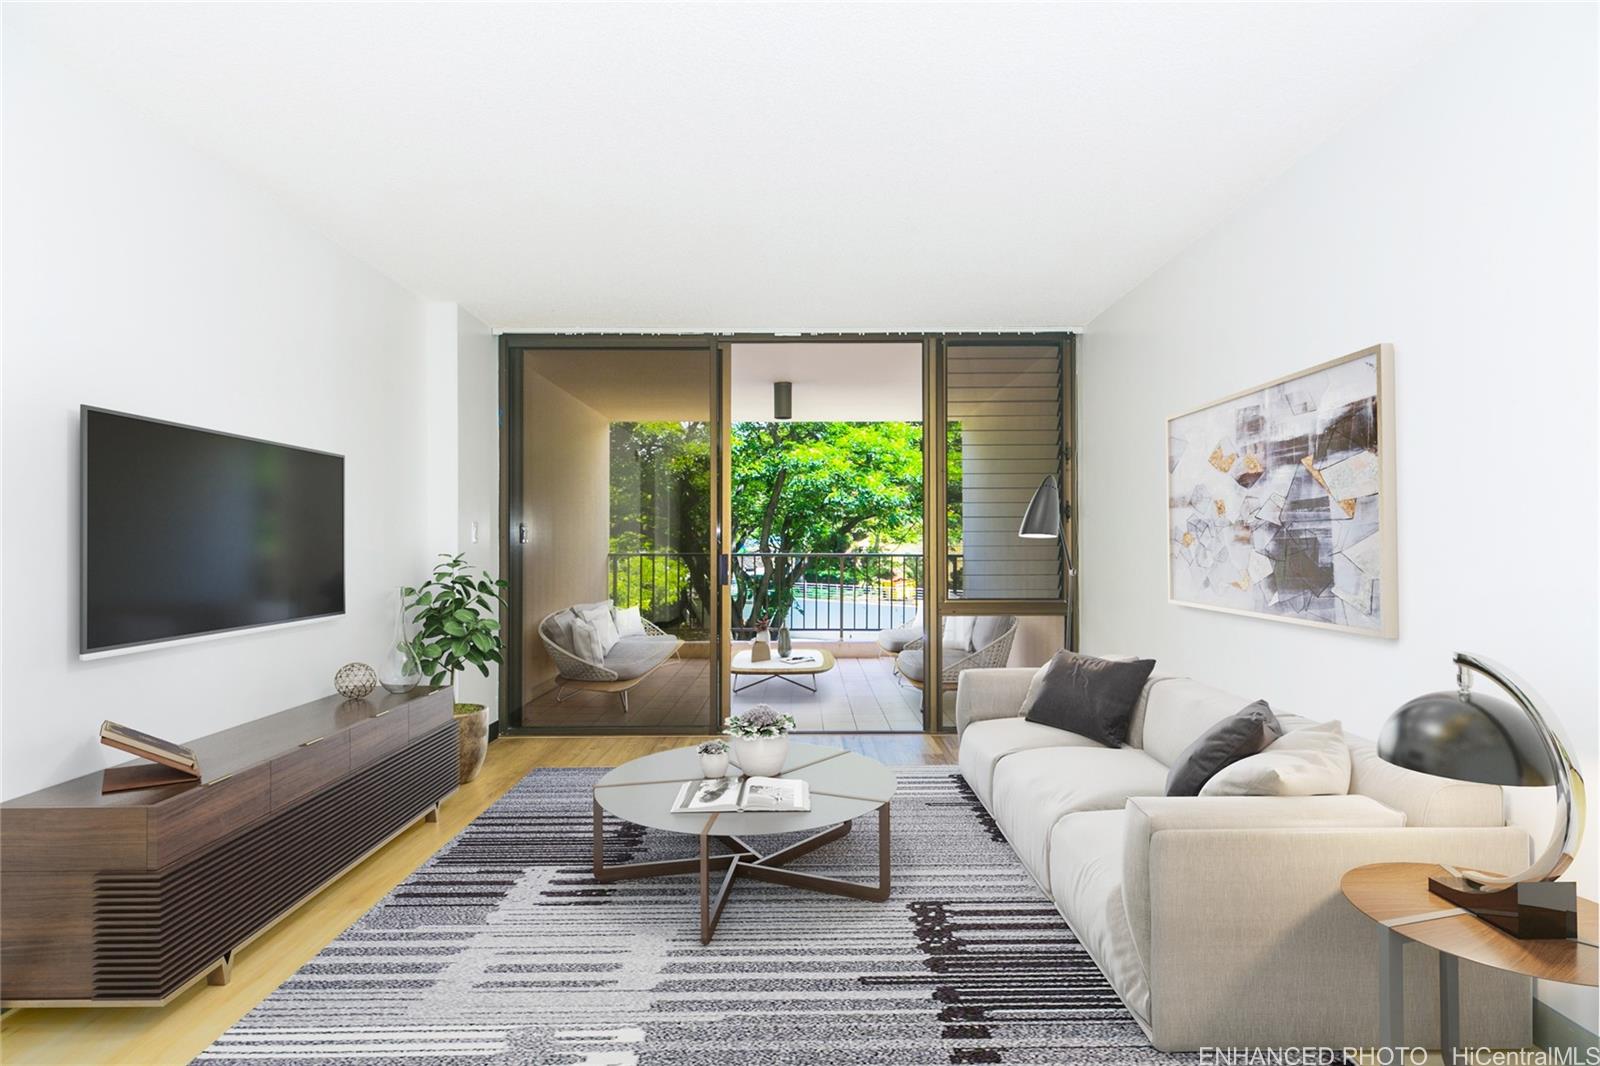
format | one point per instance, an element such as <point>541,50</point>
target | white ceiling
<point>753,166</point>
<point>839,381</point>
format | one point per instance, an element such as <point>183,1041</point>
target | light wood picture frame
<point>1281,499</point>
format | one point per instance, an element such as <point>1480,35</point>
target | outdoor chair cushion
<point>910,663</point>
<point>895,640</point>
<point>558,628</point>
<point>633,657</point>
<point>986,629</point>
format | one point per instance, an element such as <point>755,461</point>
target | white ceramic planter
<point>714,766</point>
<point>760,756</point>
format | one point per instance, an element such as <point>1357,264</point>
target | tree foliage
<point>800,489</point>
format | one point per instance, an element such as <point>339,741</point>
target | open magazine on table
<point>742,794</point>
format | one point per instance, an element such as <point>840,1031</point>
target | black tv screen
<point>189,532</point>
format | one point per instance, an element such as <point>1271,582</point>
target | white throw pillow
<point>629,622</point>
<point>604,627</point>
<point>958,631</point>
<point>586,642</point>
<point>1314,761</point>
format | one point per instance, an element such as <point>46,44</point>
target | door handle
<point>722,569</point>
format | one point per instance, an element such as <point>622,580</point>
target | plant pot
<point>760,756</point>
<point>472,738</point>
<point>714,766</point>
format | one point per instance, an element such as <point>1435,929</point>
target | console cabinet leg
<point>222,972</point>
<point>432,815</point>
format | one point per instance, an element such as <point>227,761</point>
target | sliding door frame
<point>935,403</point>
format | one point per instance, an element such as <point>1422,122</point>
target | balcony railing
<point>834,593</point>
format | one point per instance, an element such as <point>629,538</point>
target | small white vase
<point>760,756</point>
<point>713,766</point>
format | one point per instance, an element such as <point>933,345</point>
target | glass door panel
<point>1004,497</point>
<point>610,499</point>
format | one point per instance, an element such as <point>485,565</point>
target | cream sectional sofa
<point>1219,920</point>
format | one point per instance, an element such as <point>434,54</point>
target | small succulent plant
<point>759,721</point>
<point>713,747</point>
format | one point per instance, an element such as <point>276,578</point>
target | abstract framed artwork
<point>1281,499</point>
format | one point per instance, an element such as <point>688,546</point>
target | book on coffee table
<point>743,794</point>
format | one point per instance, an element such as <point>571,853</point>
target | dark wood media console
<point>128,898</point>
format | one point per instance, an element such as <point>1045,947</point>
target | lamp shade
<point>1043,516</point>
<point>1467,737</point>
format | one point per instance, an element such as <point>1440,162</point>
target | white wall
<point>478,471</point>
<point>143,277</point>
<point>1457,221</point>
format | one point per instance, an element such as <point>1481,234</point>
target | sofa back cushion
<point>1086,695</point>
<point>1425,799</point>
<point>1223,744</point>
<point>1177,710</point>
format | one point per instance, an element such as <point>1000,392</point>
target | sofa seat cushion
<point>1033,790</point>
<point>632,657</point>
<point>1086,864</point>
<point>986,742</point>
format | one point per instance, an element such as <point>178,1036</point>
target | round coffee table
<point>844,786</point>
<point>803,662</point>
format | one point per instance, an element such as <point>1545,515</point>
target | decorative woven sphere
<point>355,680</point>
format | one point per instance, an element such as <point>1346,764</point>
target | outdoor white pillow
<point>1314,761</point>
<point>629,622</point>
<point>585,641</point>
<point>958,631</point>
<point>604,628</point>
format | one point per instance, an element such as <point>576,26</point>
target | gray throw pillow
<point>1224,744</point>
<point>1086,695</point>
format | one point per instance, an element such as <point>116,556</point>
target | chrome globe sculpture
<point>1470,736</point>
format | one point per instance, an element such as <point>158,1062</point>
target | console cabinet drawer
<point>318,763</point>
<point>376,737</point>
<point>431,713</point>
<point>199,816</point>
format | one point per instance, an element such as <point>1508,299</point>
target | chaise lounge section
<point>1219,919</point>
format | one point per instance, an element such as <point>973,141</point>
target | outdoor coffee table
<point>844,786</point>
<point>809,663</point>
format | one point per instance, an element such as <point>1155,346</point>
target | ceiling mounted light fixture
<point>782,400</point>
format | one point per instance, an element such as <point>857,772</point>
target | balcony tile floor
<point>858,695</point>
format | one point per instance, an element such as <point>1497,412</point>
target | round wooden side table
<point>1395,895</point>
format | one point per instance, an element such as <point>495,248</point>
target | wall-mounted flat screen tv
<point>189,532</point>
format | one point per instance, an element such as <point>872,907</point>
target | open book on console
<point>742,794</point>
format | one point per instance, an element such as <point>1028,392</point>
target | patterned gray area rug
<point>503,949</point>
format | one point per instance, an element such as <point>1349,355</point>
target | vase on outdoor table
<point>785,645</point>
<point>760,756</point>
<point>761,644</point>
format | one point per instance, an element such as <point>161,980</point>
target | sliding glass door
<point>658,513</point>
<point>611,477</point>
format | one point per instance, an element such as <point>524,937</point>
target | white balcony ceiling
<point>747,166</point>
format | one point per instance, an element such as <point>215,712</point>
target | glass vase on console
<point>400,672</point>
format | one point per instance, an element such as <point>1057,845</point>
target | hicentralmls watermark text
<point>1396,1056</point>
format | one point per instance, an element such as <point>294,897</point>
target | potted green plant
<point>760,739</point>
<point>458,626</point>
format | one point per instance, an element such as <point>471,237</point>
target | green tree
<point>801,491</point>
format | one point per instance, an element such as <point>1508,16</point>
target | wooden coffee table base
<point>745,861</point>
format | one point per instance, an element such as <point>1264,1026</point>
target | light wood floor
<point>858,694</point>
<point>133,1036</point>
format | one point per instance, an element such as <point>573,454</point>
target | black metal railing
<point>835,593</point>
